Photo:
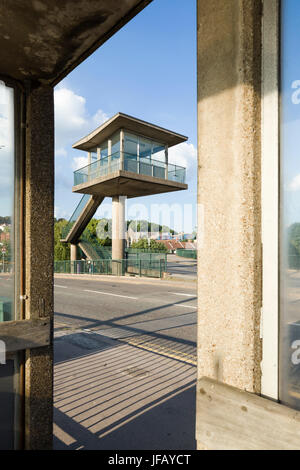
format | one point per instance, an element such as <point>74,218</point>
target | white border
<point>270,197</point>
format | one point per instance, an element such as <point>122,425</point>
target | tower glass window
<point>115,144</point>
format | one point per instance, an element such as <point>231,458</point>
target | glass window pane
<point>104,150</point>
<point>289,372</point>
<point>158,152</point>
<point>130,144</point>
<point>145,147</point>
<point>7,152</point>
<point>94,156</point>
<point>115,143</point>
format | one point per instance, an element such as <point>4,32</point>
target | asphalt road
<point>125,369</point>
<point>181,267</point>
<point>128,305</point>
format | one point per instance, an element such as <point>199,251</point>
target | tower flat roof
<point>132,124</point>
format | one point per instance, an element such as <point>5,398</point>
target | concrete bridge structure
<point>127,158</point>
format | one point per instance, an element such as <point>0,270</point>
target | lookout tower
<point>126,157</point>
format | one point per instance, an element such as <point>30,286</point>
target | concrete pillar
<point>229,152</point>
<point>39,206</point>
<point>89,163</point>
<point>167,162</point>
<point>109,155</point>
<point>118,227</point>
<point>73,252</point>
<point>122,156</point>
<point>73,257</point>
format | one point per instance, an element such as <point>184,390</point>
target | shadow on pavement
<point>111,395</point>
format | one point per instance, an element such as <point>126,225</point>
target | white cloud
<point>72,122</point>
<point>72,119</point>
<point>98,118</point>
<point>294,184</point>
<point>185,155</point>
<point>79,162</point>
<point>60,213</point>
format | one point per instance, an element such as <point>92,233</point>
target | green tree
<point>61,250</point>
<point>293,237</point>
<point>155,246</point>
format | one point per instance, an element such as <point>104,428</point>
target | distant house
<point>4,236</point>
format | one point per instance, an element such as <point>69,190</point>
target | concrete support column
<point>39,210</point>
<point>167,161</point>
<point>98,158</point>
<point>122,149</point>
<point>73,256</point>
<point>89,155</point>
<point>109,155</point>
<point>118,227</point>
<point>73,252</point>
<point>229,152</point>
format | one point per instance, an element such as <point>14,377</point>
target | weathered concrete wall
<point>44,40</point>
<point>229,279</point>
<point>39,213</point>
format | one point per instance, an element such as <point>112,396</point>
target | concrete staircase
<point>80,218</point>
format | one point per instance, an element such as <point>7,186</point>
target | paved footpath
<point>125,364</point>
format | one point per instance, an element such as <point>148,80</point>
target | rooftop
<point>130,123</point>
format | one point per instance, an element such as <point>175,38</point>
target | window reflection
<point>115,143</point>
<point>6,202</point>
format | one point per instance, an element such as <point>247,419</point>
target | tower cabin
<point>127,157</point>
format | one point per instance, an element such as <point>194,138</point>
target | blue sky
<point>148,70</point>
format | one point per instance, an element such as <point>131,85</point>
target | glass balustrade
<point>131,163</point>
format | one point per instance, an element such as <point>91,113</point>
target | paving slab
<point>134,394</point>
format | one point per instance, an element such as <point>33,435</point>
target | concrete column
<point>118,227</point>
<point>89,163</point>
<point>122,149</point>
<point>73,256</point>
<point>166,161</point>
<point>98,158</point>
<point>229,152</point>
<point>39,210</point>
<point>73,252</point>
<point>109,155</point>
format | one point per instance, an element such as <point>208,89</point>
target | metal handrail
<point>112,162</point>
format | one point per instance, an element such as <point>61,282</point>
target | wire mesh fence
<point>133,266</point>
<point>186,253</point>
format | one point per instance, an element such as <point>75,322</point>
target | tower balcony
<point>130,175</point>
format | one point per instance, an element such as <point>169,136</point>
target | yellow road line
<point>171,353</point>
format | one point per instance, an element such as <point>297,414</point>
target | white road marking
<point>185,306</point>
<point>184,295</point>
<point>114,295</point>
<point>62,287</point>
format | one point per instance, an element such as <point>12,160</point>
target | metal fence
<point>140,267</point>
<point>186,253</point>
<point>137,254</point>
<point>294,262</point>
<point>6,267</point>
